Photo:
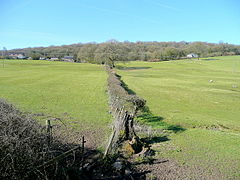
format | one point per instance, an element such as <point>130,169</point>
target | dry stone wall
<point>124,107</point>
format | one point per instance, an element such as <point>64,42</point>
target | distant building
<point>54,59</point>
<point>21,56</point>
<point>68,58</point>
<point>192,55</point>
<point>17,56</point>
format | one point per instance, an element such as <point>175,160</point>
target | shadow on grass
<point>155,139</point>
<point>157,122</point>
<point>176,128</point>
<point>210,59</point>
<point>125,86</point>
<point>131,68</point>
<point>146,117</point>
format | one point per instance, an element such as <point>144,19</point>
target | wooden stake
<point>109,143</point>
<point>49,131</point>
<point>83,141</point>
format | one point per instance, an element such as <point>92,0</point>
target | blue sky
<point>33,23</point>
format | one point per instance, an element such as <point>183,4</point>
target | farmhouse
<point>54,59</point>
<point>68,58</point>
<point>21,57</point>
<point>17,56</point>
<point>192,55</point>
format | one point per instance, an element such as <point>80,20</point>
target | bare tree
<point>109,53</point>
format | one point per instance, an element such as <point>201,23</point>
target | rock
<point>118,165</point>
<point>136,144</point>
<point>127,172</point>
<point>147,151</point>
<point>127,148</point>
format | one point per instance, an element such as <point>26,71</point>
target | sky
<point>34,23</point>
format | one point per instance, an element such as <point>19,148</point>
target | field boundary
<point>124,107</point>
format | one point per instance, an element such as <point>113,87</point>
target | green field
<point>73,92</point>
<point>202,97</point>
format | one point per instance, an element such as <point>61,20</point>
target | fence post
<point>83,141</point>
<point>110,143</point>
<point>49,131</point>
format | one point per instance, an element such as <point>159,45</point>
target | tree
<point>109,53</point>
<point>199,48</point>
<point>224,48</point>
<point>171,53</point>
<point>112,51</point>
<point>4,52</point>
<point>35,55</point>
<point>87,53</point>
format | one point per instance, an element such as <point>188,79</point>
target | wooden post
<point>132,125</point>
<point>83,141</point>
<point>49,132</point>
<point>109,146</point>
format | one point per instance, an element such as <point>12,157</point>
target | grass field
<point>202,97</point>
<point>74,92</point>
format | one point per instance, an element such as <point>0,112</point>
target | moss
<point>127,149</point>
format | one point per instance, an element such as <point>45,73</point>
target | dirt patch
<point>170,169</point>
<point>93,138</point>
<point>65,129</point>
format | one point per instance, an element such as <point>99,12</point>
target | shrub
<point>22,142</point>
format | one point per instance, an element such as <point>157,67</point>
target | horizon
<point>33,24</point>
<point>119,42</point>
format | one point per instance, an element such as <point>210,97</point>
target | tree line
<point>112,50</point>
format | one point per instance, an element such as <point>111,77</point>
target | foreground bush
<point>22,142</point>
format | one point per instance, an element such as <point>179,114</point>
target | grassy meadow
<point>202,97</point>
<point>73,92</point>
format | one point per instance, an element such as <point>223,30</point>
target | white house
<point>17,56</point>
<point>192,55</point>
<point>20,56</point>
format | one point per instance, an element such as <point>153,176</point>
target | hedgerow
<point>25,149</point>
